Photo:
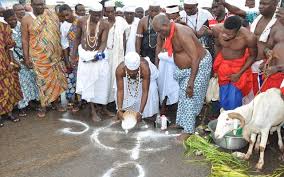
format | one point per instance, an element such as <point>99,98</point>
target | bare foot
<point>60,108</point>
<point>95,117</point>
<point>175,126</point>
<point>41,113</point>
<point>182,137</point>
<point>107,113</point>
<point>22,113</point>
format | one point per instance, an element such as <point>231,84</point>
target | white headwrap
<point>172,10</point>
<point>173,3</point>
<point>94,6</point>
<point>132,60</point>
<point>154,3</point>
<point>119,9</point>
<point>190,2</point>
<point>110,3</point>
<point>129,9</point>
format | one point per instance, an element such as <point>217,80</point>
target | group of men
<point>140,62</point>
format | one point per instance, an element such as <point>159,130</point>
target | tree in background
<point>119,4</point>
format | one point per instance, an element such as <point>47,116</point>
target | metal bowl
<point>230,142</point>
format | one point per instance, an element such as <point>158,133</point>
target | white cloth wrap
<point>92,78</point>
<point>167,85</point>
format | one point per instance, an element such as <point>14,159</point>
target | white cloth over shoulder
<point>282,84</point>
<point>64,29</point>
<point>92,78</point>
<point>115,50</point>
<point>132,103</point>
<point>130,34</point>
<point>168,86</point>
<point>265,34</point>
<point>196,21</point>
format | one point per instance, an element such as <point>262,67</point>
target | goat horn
<point>238,116</point>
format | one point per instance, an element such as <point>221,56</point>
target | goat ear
<point>222,110</point>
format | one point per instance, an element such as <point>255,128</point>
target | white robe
<point>168,86</point>
<point>92,78</point>
<point>132,103</point>
<point>115,50</point>
<point>197,20</point>
<point>131,36</point>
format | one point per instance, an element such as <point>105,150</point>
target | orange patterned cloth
<point>45,53</point>
<point>10,90</point>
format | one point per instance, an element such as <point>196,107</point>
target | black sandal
<point>13,119</point>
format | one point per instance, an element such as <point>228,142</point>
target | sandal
<point>13,119</point>
<point>22,113</point>
<point>75,108</point>
<point>1,122</point>
<point>41,113</point>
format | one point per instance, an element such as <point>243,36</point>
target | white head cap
<point>154,3</point>
<point>190,2</point>
<point>119,9</point>
<point>132,60</point>
<point>94,6</point>
<point>129,9</point>
<point>173,3</point>
<point>110,3</point>
<point>172,10</point>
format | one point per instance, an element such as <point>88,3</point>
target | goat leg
<point>263,141</point>
<point>251,144</point>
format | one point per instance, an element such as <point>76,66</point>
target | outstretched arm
<point>233,9</point>
<point>25,41</point>
<point>120,90</point>
<point>145,86</point>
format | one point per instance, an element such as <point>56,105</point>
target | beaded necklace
<point>135,81</point>
<point>92,39</point>
<point>112,45</point>
<point>149,33</point>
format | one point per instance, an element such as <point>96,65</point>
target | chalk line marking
<point>69,130</point>
<point>141,172</point>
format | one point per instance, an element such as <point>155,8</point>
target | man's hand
<point>138,117</point>
<point>235,77</point>
<point>271,70</point>
<point>119,115</point>
<point>215,75</point>
<point>189,90</point>
<point>29,64</point>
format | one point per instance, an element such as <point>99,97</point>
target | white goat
<point>264,113</point>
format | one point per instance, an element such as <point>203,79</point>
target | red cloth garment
<point>273,81</point>
<point>168,43</point>
<point>282,90</point>
<point>225,68</point>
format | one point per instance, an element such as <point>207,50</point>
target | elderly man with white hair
<point>115,42</point>
<point>93,73</point>
<point>136,87</point>
<point>130,33</point>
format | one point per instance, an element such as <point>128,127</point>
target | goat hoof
<point>281,158</point>
<point>246,157</point>
<point>259,166</point>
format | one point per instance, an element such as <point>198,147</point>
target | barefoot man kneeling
<point>137,88</point>
<point>193,70</point>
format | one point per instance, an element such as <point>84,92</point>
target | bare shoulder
<point>143,21</point>
<point>217,29</point>
<point>249,36</point>
<point>27,19</point>
<point>184,30</point>
<point>104,23</point>
<point>120,68</point>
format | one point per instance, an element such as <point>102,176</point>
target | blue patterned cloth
<point>26,76</point>
<point>251,16</point>
<point>189,108</point>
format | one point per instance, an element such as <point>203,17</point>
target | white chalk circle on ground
<point>110,172</point>
<point>69,130</point>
